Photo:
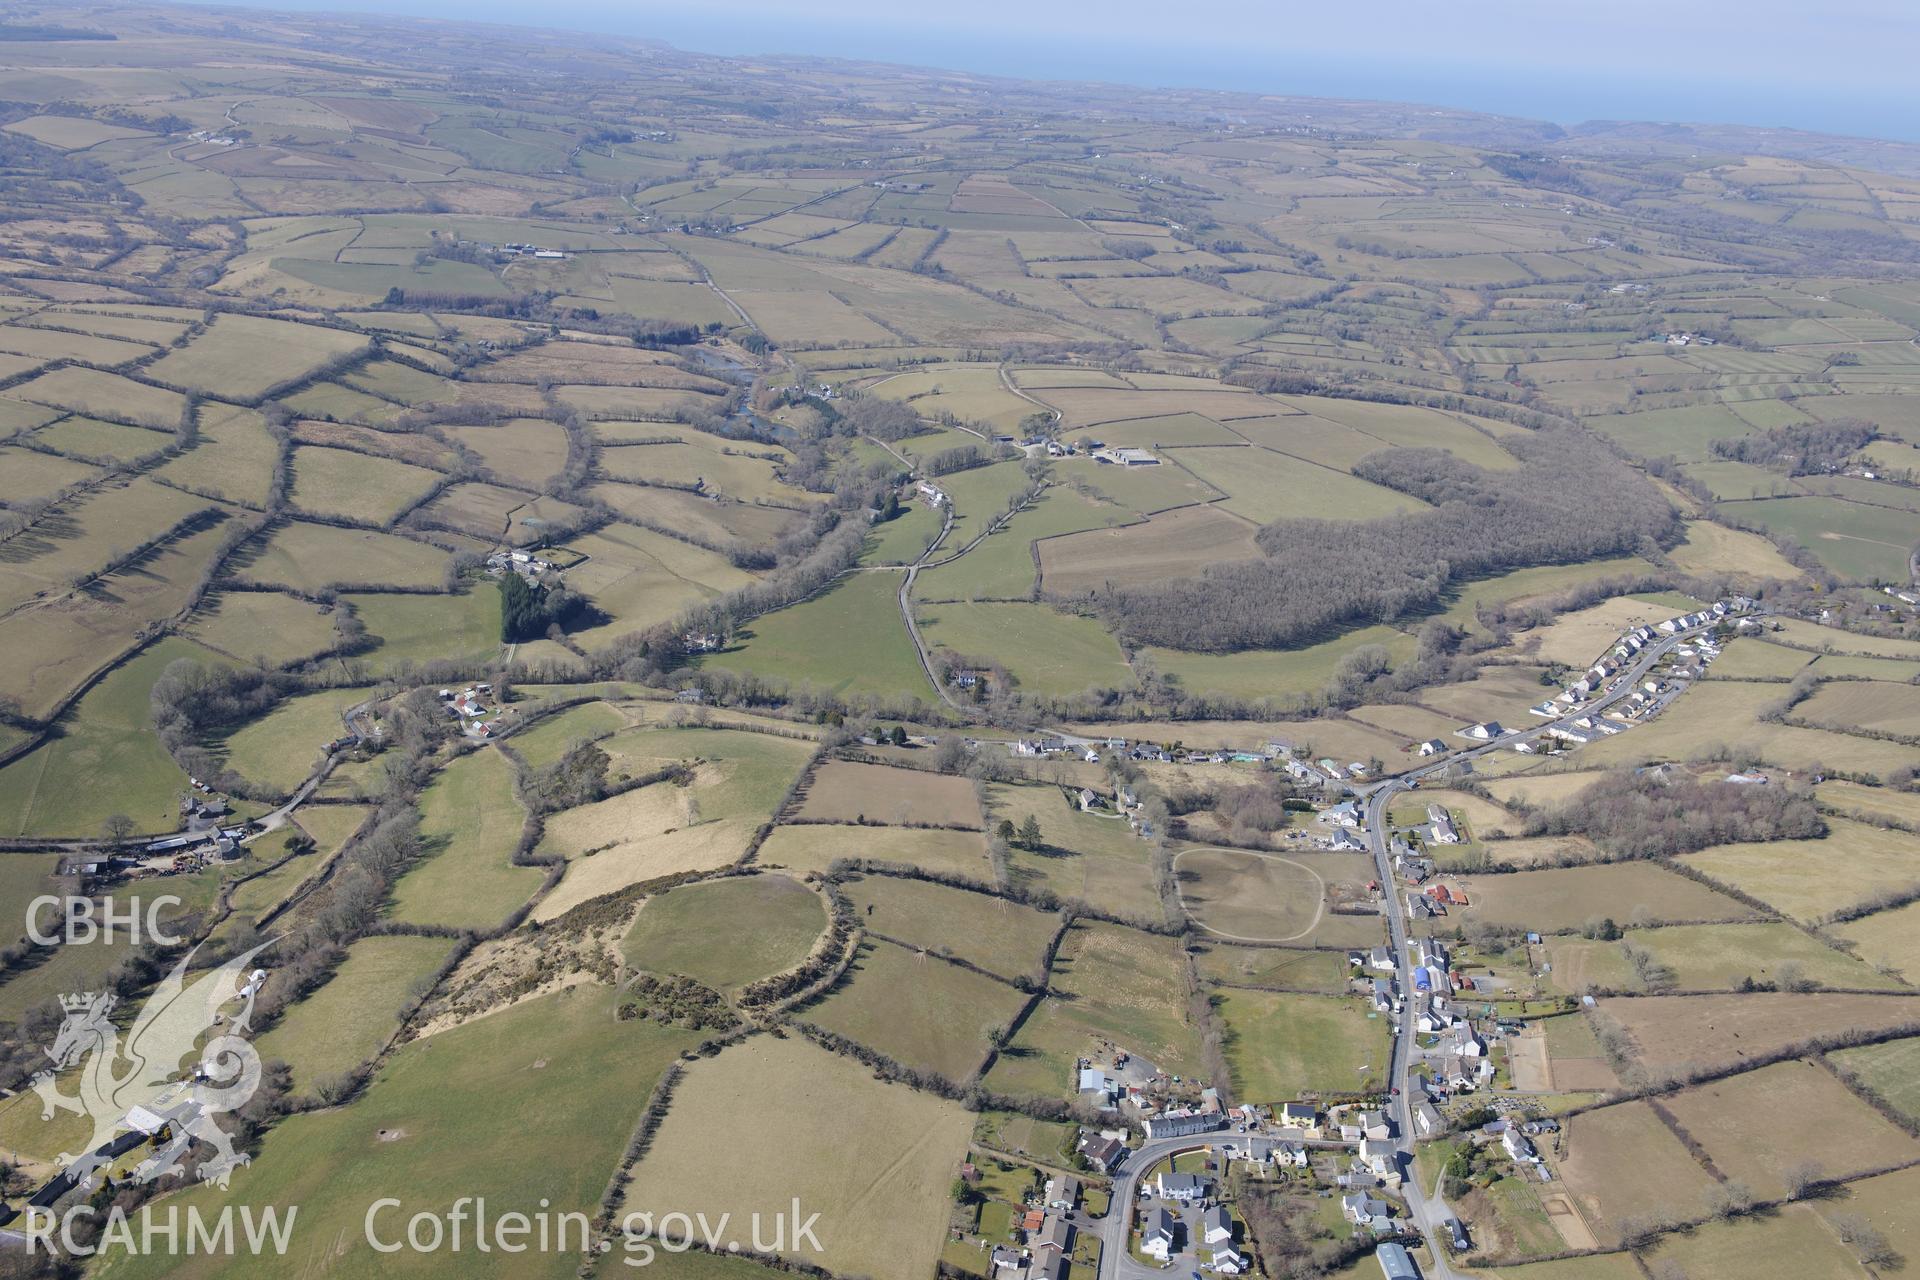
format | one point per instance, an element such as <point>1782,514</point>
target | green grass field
<point>1116,985</point>
<point>1891,1070</point>
<point>308,557</point>
<point>1047,650</point>
<point>429,1130</point>
<point>1292,967</point>
<point>1709,956</point>
<point>345,1022</point>
<point>470,820</point>
<point>553,736</point>
<point>994,933</point>
<point>1002,567</point>
<point>726,933</point>
<point>1272,673</point>
<point>1859,543</point>
<point>335,482</point>
<point>815,846</point>
<point>1282,1045</point>
<point>1264,486</point>
<point>850,640</point>
<point>917,1009</point>
<point>281,748</point>
<point>242,356</point>
<point>902,539</point>
<point>1088,856</point>
<point>876,1159</point>
<point>263,624</point>
<point>104,758</point>
<point>420,628</point>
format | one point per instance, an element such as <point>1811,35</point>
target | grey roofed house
<point>1048,1266</point>
<point>1176,1124</point>
<point>1360,1207</point>
<point>1105,1154</point>
<point>1300,1114</point>
<point>1396,1263</point>
<point>1008,1258</point>
<point>1216,1225</point>
<point>1055,1233</point>
<point>1159,1225</point>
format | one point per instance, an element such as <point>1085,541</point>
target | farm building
<point>1396,1263</point>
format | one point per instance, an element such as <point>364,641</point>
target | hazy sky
<point>1839,65</point>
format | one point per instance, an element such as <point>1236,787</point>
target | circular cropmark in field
<point>1249,897</point>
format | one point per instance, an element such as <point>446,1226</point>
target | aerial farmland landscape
<point>615,658</point>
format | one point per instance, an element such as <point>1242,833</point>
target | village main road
<point>1428,1208</point>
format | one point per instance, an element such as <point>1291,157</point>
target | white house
<point>1224,1261</point>
<point>1157,1235</point>
<point>1519,1146</point>
<point>1216,1226</point>
<point>1360,1208</point>
<point>1432,747</point>
<point>1442,831</point>
<point>1184,1188</point>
